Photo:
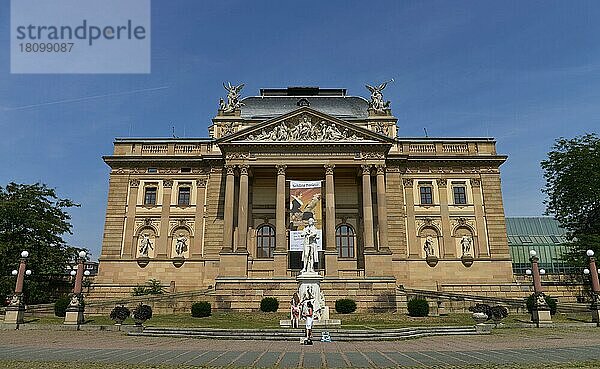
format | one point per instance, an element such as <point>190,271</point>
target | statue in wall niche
<point>428,247</point>
<point>466,243</point>
<point>145,245</point>
<point>309,247</point>
<point>233,98</point>
<point>181,245</point>
<point>377,102</point>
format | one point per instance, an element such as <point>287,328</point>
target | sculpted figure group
<point>305,130</point>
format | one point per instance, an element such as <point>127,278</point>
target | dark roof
<point>274,102</point>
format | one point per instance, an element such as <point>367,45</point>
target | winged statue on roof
<point>233,98</point>
<point>377,103</point>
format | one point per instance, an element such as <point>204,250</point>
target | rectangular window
<point>460,195</point>
<point>186,170</point>
<point>150,196</point>
<point>152,170</point>
<point>184,196</point>
<point>426,195</point>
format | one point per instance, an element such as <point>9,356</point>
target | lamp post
<point>540,313</point>
<point>15,311</point>
<point>593,272</point>
<point>76,307</point>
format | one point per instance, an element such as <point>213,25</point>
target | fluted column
<point>228,211</point>
<point>280,236</point>
<point>329,208</point>
<point>382,209</point>
<point>367,207</point>
<point>242,238</point>
<point>199,219</point>
<point>163,245</point>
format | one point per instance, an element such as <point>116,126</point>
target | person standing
<point>309,322</point>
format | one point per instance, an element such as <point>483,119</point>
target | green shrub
<point>119,313</point>
<point>345,306</point>
<point>269,304</point>
<point>551,302</point>
<point>152,287</point>
<point>418,307</point>
<point>142,312</point>
<point>201,309</point>
<point>60,306</point>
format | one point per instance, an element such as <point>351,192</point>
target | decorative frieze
<point>304,129</point>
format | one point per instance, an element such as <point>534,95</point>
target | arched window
<point>344,240</point>
<point>265,241</point>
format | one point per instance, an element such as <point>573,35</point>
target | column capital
<point>407,182</point>
<point>329,168</point>
<point>230,169</point>
<point>442,182</point>
<point>476,182</point>
<point>366,169</point>
<point>134,182</point>
<point>167,183</point>
<point>244,169</point>
<point>281,169</point>
<point>201,182</point>
<point>380,168</point>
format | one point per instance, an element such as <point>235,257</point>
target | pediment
<point>305,125</point>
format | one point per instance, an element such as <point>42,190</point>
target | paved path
<point>503,347</point>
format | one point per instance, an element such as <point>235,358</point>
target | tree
<point>572,173</point>
<point>33,218</point>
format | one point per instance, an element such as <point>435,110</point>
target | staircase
<point>297,334</point>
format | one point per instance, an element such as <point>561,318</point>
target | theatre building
<point>226,212</point>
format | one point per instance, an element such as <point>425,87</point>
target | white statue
<point>181,245</point>
<point>465,243</point>
<point>233,98</point>
<point>428,247</point>
<point>145,245</point>
<point>309,247</point>
<point>377,102</point>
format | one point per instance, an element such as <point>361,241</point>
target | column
<point>280,254</point>
<point>367,207</point>
<point>242,238</point>
<point>196,250</point>
<point>329,209</point>
<point>280,236</point>
<point>129,244</point>
<point>228,210</point>
<point>448,247</point>
<point>382,209</point>
<point>414,249</point>
<point>331,253</point>
<point>163,247</point>
<point>482,250</point>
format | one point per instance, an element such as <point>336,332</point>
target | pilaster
<point>163,246</point>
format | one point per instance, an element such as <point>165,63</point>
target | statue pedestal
<point>74,315</point>
<point>15,311</point>
<point>309,289</point>
<point>541,317</point>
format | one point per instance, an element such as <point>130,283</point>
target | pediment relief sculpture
<point>304,129</point>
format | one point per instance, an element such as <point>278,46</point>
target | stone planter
<point>480,318</point>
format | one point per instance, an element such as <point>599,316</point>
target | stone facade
<point>193,212</point>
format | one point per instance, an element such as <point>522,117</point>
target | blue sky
<point>523,72</point>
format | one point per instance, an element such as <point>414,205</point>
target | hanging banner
<point>305,203</point>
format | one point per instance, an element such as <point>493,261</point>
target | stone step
<point>296,334</point>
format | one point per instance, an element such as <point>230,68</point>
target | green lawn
<point>260,320</point>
